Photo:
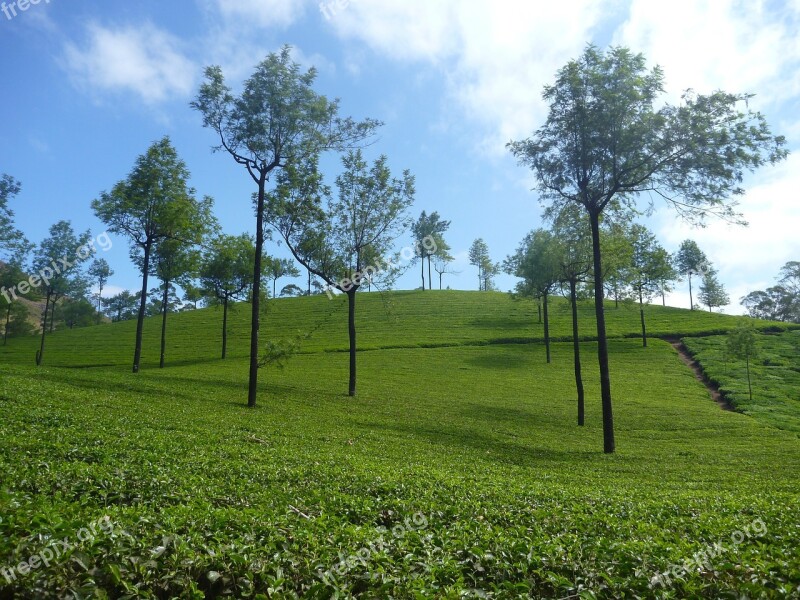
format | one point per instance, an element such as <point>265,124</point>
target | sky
<point>88,85</point>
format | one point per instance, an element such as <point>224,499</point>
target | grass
<point>775,376</point>
<point>395,320</point>
<point>458,471</point>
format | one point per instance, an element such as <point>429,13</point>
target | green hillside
<point>457,472</point>
<point>392,320</point>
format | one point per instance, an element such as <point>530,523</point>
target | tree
<point>479,257</point>
<point>278,119</point>
<point>177,257</point>
<point>425,228</point>
<point>12,241</point>
<point>712,292</point>
<point>650,265</point>
<point>17,323</point>
<point>536,262</point>
<point>225,272</point>
<point>604,143</point>
<point>741,343</point>
<point>153,204</point>
<point>441,264</point>
<point>191,294</point>
<point>56,260</point>
<point>291,290</point>
<point>11,274</point>
<point>780,302</point>
<point>690,260</point>
<point>574,258</point>
<point>122,306</point>
<point>277,268</point>
<point>100,271</point>
<point>78,312</point>
<point>343,240</point>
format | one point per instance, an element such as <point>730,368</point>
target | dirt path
<point>690,362</point>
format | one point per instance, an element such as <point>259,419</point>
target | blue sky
<point>88,85</point>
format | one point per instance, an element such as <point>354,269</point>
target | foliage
<point>12,241</point>
<point>780,302</point>
<point>277,122</point>
<point>155,208</point>
<point>479,257</point>
<point>122,306</point>
<point>712,292</point>
<point>604,144</point>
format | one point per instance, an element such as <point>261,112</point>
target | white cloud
<point>144,60</point>
<point>262,13</point>
<point>494,56</point>
<point>748,258</point>
<point>719,44</point>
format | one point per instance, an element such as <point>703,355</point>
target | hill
<point>457,472</point>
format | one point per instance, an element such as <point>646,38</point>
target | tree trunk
<point>137,353</point>
<point>422,264</point>
<point>164,307</point>
<point>256,306</point>
<point>663,299</point>
<point>602,341</point>
<point>539,307</point>
<point>351,326</point>
<point>691,300</point>
<point>274,284</point>
<point>309,283</point>
<point>224,327</point>
<point>546,330</point>
<point>641,314</point>
<point>53,314</point>
<point>99,302</point>
<point>440,281</point>
<point>576,346</point>
<point>40,354</point>
<point>749,385</point>
<point>430,286</point>
<point>8,322</point>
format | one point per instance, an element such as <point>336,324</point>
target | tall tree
<point>712,292</point>
<point>574,259</point>
<point>690,260</point>
<point>277,268</point>
<point>100,271</point>
<point>361,225</point>
<point>479,257</point>
<point>604,143</point>
<point>57,261</point>
<point>536,263</point>
<point>649,265</point>
<point>225,272</point>
<point>278,119</point>
<point>428,227</point>
<point>153,204</point>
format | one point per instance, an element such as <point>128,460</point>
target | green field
<point>775,377</point>
<point>458,471</point>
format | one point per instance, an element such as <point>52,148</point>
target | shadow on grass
<point>490,447</point>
